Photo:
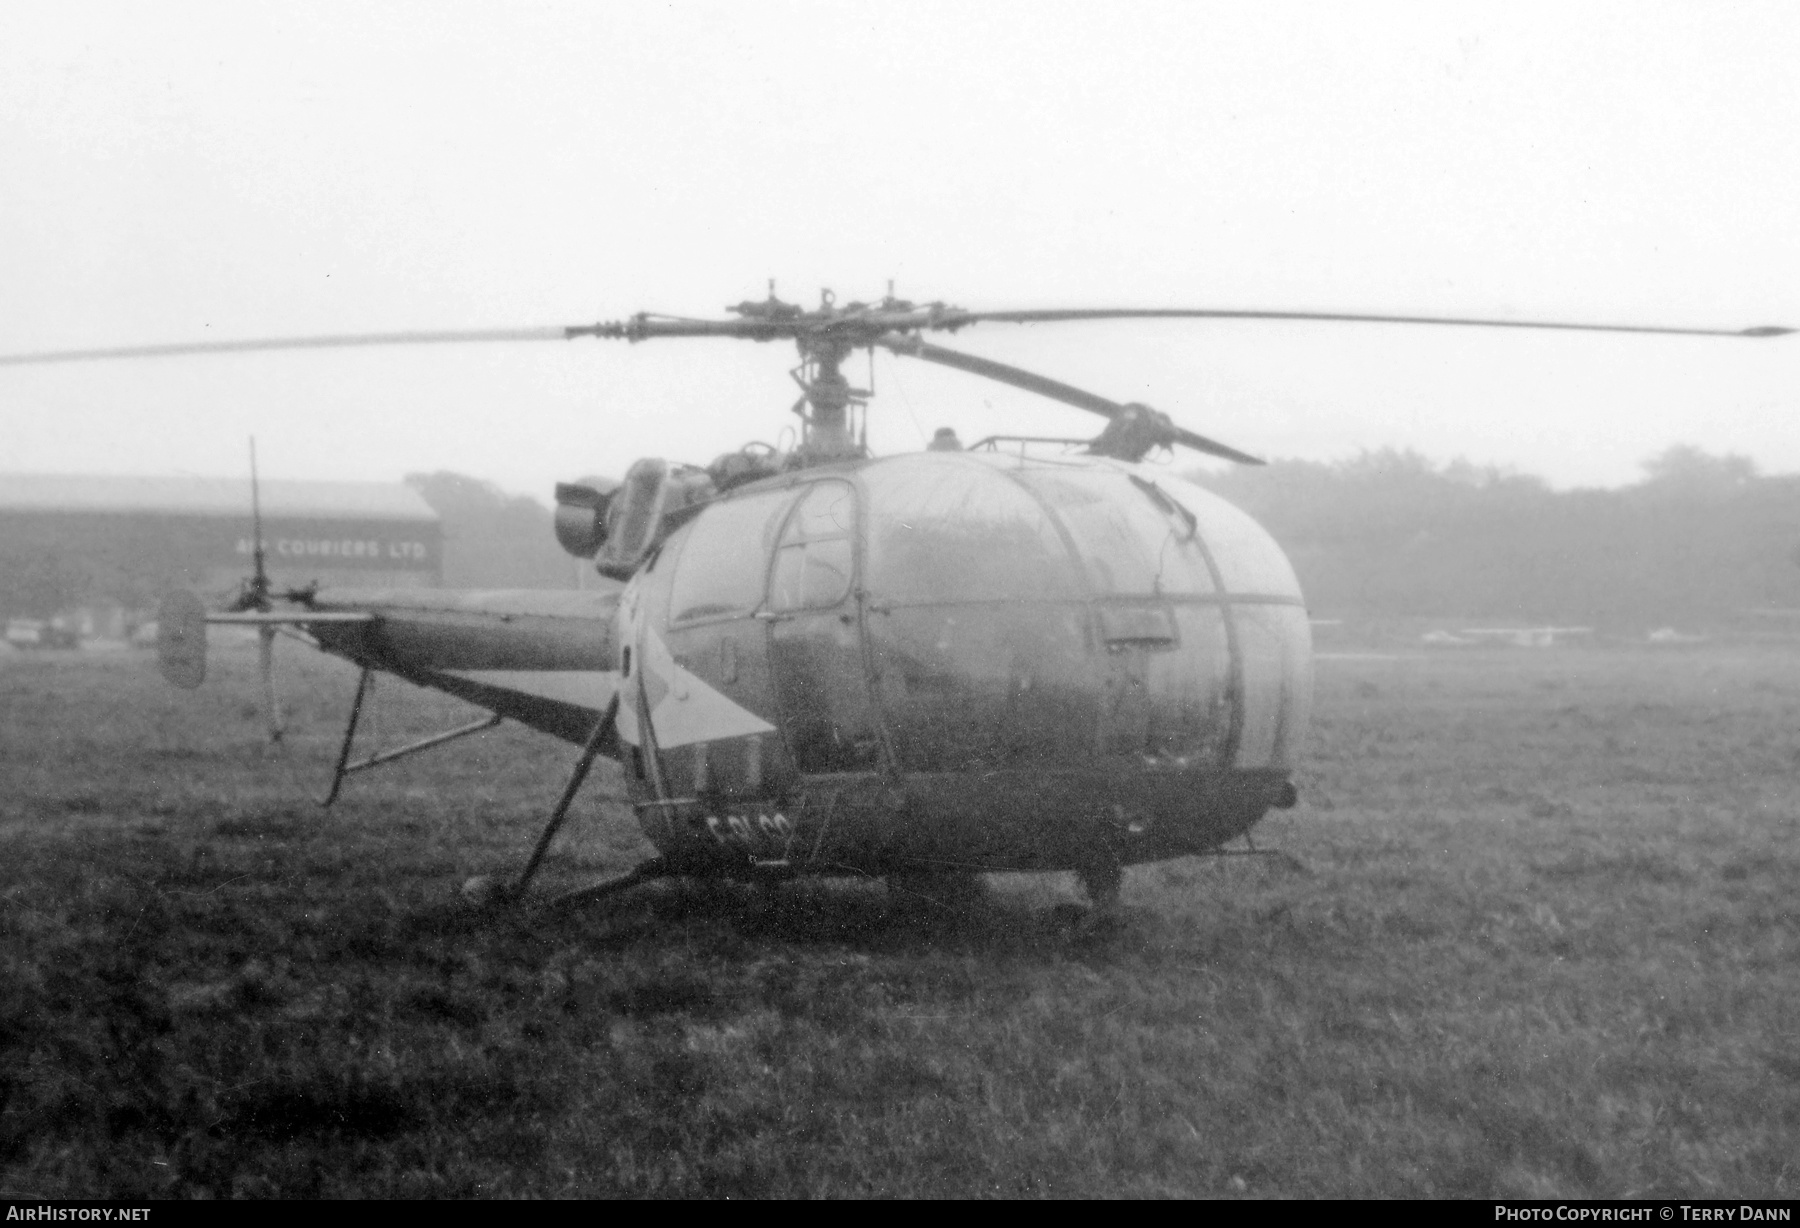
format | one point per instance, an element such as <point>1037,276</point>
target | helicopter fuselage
<point>932,662</point>
<point>824,662</point>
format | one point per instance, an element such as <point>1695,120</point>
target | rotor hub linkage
<point>828,334</point>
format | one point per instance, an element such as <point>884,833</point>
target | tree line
<point>1700,540</point>
<point>493,539</point>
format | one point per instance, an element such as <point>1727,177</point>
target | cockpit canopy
<point>985,527</point>
<point>941,529</point>
<point>993,610</point>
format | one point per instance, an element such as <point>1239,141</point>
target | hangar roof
<point>225,497</point>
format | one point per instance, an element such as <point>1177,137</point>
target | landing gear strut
<point>344,768</point>
<point>588,753</point>
<point>485,891</point>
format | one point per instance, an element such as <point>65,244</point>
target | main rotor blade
<point>956,318</point>
<point>1213,447</point>
<point>855,327</point>
<point>258,345</point>
<point>1056,390</point>
<point>912,347</point>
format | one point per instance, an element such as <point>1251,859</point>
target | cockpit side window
<point>815,558</point>
<point>725,557</point>
<point>1133,539</point>
<point>945,531</point>
<point>1248,558</point>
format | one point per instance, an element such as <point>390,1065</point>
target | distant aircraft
<point>1525,637</point>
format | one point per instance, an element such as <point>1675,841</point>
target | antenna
<point>259,580</point>
<point>256,597</point>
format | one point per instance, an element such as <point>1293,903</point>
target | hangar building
<point>110,546</point>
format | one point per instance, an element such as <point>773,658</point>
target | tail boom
<point>546,659</point>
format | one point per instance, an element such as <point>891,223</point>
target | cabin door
<point>816,654</point>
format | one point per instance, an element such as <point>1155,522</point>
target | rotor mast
<point>827,398</point>
<point>825,407</point>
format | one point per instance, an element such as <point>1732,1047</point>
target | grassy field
<point>1542,938</point>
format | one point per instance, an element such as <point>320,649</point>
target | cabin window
<point>1248,558</point>
<point>945,530</point>
<point>724,557</point>
<point>814,561</point>
<point>1134,540</point>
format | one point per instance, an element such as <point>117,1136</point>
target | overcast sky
<point>183,171</point>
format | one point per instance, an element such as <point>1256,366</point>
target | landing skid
<point>655,868</point>
<point>1102,916</point>
<point>1250,849</point>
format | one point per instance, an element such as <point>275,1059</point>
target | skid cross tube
<point>588,753</point>
<point>345,767</point>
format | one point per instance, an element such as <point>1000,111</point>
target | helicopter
<point>1029,654</point>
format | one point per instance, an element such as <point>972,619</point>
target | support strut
<point>337,771</point>
<point>346,768</point>
<point>588,753</point>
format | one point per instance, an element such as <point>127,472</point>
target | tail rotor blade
<point>260,581</point>
<point>265,654</point>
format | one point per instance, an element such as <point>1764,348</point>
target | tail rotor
<point>255,595</point>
